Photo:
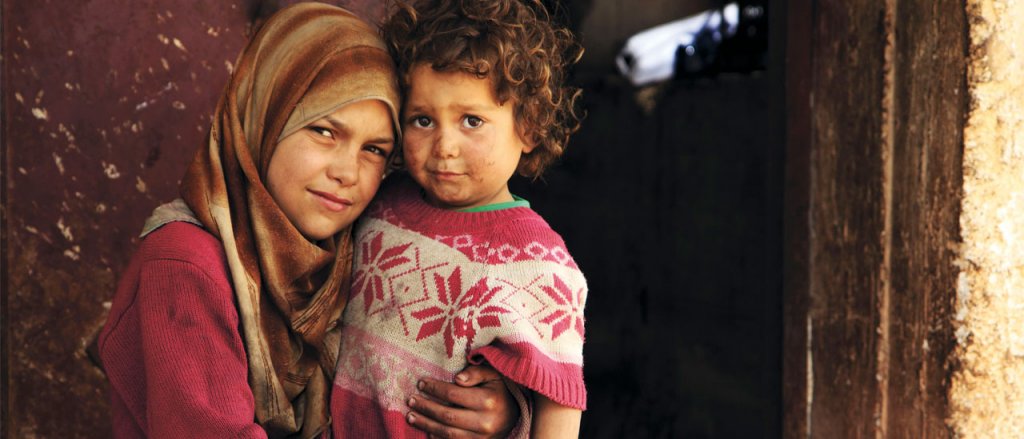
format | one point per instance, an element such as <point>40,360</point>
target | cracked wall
<point>986,391</point>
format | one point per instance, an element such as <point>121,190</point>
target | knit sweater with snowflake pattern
<point>434,290</point>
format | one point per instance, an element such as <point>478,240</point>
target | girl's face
<point>461,145</point>
<point>323,175</point>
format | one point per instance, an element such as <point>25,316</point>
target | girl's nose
<point>344,168</point>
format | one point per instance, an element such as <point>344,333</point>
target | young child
<point>451,267</point>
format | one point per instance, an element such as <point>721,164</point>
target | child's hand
<point>477,406</point>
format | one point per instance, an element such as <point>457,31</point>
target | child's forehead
<point>423,73</point>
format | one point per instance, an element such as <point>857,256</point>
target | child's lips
<point>332,202</point>
<point>446,175</point>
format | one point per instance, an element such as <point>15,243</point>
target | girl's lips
<point>332,202</point>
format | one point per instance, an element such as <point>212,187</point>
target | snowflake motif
<point>446,318</point>
<point>562,319</point>
<point>374,261</point>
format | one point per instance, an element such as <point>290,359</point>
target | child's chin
<point>446,202</point>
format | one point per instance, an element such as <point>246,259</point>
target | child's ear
<point>526,138</point>
<point>528,146</point>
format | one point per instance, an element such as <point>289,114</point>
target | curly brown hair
<point>513,42</point>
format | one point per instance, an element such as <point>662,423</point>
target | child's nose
<point>446,145</point>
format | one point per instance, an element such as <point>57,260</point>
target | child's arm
<point>553,420</point>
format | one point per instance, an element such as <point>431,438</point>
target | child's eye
<point>326,132</point>
<point>421,122</point>
<point>472,122</point>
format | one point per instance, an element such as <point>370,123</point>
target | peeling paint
<point>78,116</point>
<point>67,134</point>
<point>65,230</point>
<point>60,165</point>
<point>179,45</point>
<point>40,113</point>
<point>73,253</point>
<point>110,170</point>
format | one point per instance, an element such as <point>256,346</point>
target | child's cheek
<point>414,147</point>
<point>481,140</point>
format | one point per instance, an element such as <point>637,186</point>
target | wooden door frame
<point>876,100</point>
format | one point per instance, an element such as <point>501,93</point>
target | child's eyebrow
<point>341,127</point>
<point>475,108</point>
<point>462,108</point>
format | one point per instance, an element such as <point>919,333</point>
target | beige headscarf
<point>306,61</point>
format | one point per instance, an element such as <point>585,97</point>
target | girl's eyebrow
<point>341,127</point>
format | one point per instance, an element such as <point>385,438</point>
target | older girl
<point>225,322</point>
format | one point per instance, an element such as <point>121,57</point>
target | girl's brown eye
<point>323,132</point>
<point>377,150</point>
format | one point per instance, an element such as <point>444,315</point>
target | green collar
<point>516,202</point>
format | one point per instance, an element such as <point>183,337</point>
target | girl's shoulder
<point>182,241</point>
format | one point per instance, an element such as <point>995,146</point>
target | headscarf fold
<point>306,61</point>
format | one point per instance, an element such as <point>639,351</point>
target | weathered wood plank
<point>930,101</point>
<point>846,215</point>
<point>870,284</point>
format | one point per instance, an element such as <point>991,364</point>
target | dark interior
<point>670,199</point>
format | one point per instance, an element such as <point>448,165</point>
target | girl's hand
<point>478,405</point>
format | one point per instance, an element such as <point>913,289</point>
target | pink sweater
<point>171,346</point>
<point>434,289</point>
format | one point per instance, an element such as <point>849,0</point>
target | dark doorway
<point>670,199</point>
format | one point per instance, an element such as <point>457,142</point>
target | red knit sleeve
<point>195,380</point>
<point>538,329</point>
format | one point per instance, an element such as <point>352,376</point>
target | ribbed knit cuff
<point>524,364</point>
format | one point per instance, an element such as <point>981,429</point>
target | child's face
<point>324,175</point>
<point>461,146</point>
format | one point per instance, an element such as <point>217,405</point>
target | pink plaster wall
<point>104,102</point>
